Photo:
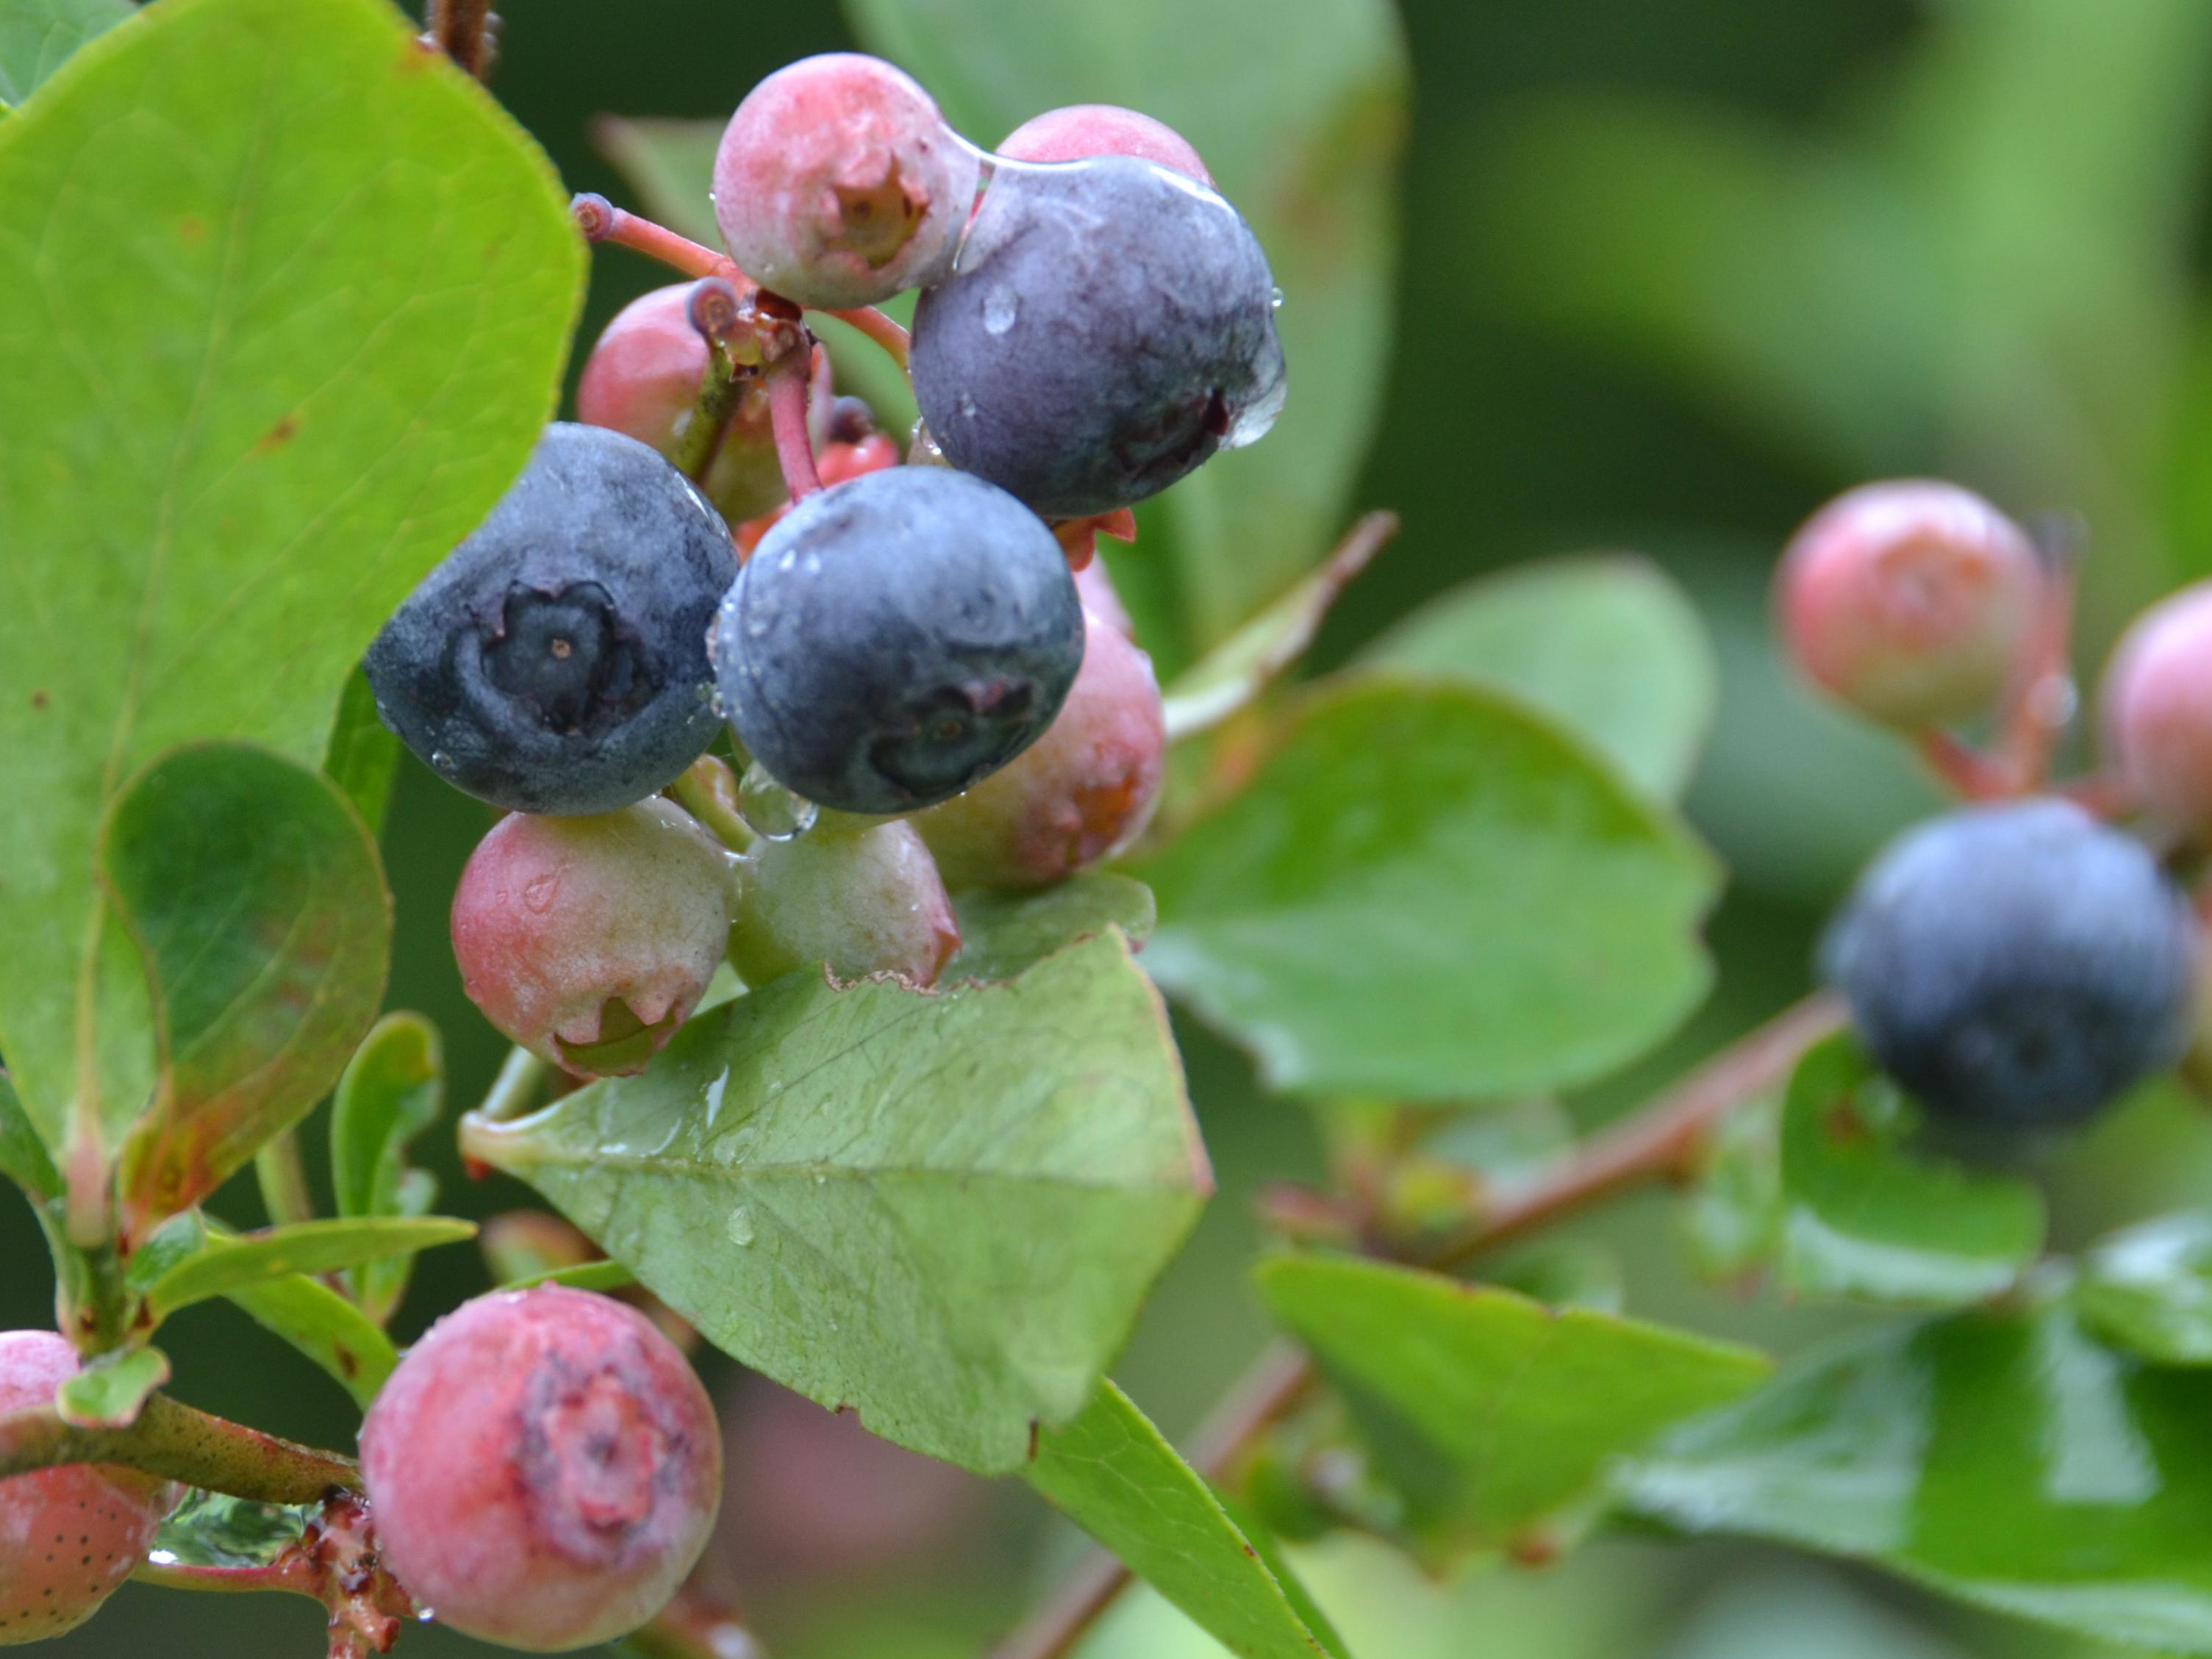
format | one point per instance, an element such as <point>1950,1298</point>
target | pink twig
<point>787,414</point>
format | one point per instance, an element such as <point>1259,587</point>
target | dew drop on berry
<point>1000,306</point>
<point>770,810</point>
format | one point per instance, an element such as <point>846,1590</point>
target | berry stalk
<point>786,410</point>
<point>178,1442</point>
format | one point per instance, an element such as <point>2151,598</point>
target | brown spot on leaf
<point>347,1362</point>
<point>1841,1122</point>
<point>190,228</point>
<point>278,436</point>
<point>38,700</point>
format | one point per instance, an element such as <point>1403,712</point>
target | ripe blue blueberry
<point>1109,324</point>
<point>557,660</point>
<point>898,638</point>
<point>2017,965</point>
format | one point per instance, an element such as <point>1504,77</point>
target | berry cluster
<point>2019,962</point>
<point>927,684</point>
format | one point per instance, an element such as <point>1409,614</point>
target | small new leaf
<point>1111,1473</point>
<point>228,1262</point>
<point>392,1090</point>
<point>110,1391</point>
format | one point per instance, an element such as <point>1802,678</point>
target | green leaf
<point>291,349</point>
<point>363,756</point>
<point>2006,1459</point>
<point>1302,132</point>
<point>214,1529</point>
<point>23,1157</point>
<point>1608,643</point>
<point>940,1209</point>
<point>1496,1411</point>
<point>110,1392</point>
<point>1110,1471</point>
<point>227,1263</point>
<point>392,1090</point>
<point>1862,1217</point>
<point>37,35</point>
<point>324,1326</point>
<point>256,898</point>
<point>1001,934</point>
<point>2148,1289</point>
<point>1428,891</point>
<point>1231,675</point>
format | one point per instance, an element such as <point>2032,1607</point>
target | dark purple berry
<point>898,638</point>
<point>557,661</point>
<point>2016,966</point>
<point>1109,325</point>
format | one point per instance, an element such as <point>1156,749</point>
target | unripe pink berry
<point>1102,601</point>
<point>589,940</point>
<point>1911,600</point>
<point>69,1535</point>
<point>862,898</point>
<point>1084,129</point>
<point>2157,705</point>
<point>839,184</point>
<point>643,378</point>
<point>543,1469</point>
<point>1080,794</point>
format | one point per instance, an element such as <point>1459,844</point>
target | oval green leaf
<point>110,1392</point>
<point>1608,643</point>
<point>286,353</point>
<point>2007,1459</point>
<point>1489,1410</point>
<point>1427,891</point>
<point>256,901</point>
<point>940,1209</point>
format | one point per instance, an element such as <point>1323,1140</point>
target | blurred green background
<point>1672,272</point>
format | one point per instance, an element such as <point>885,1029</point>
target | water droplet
<point>741,1225</point>
<point>713,1096</point>
<point>967,407</point>
<point>790,557</point>
<point>770,810</point>
<point>1000,305</point>
<point>541,890</point>
<point>1275,299</point>
<point>440,761</point>
<point>811,564</point>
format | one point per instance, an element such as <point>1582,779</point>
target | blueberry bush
<point>889,686</point>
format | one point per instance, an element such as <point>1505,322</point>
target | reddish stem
<point>786,415</point>
<point>601,221</point>
<point>1966,771</point>
<point>462,30</point>
<point>896,343</point>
